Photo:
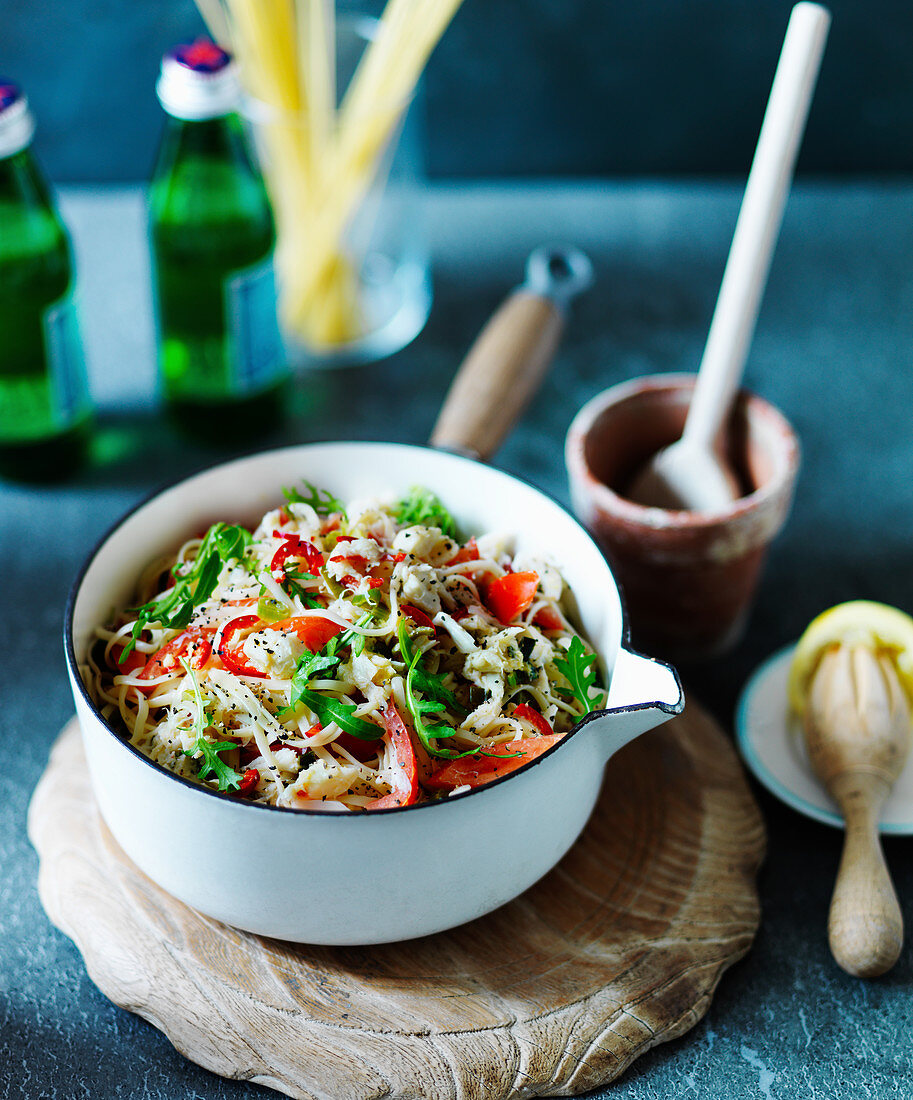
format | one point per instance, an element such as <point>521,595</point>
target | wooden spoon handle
<point>758,225</point>
<point>511,354</point>
<point>865,925</point>
<point>499,375</point>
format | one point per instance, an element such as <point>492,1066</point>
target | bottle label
<point>250,309</point>
<point>42,388</point>
<point>66,366</point>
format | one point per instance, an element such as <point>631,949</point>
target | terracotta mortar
<point>688,577</point>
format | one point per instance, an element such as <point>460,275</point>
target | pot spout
<point>643,693</point>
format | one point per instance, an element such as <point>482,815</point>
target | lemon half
<point>859,622</point>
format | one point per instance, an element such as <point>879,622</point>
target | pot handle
<point>643,693</point>
<point>508,360</point>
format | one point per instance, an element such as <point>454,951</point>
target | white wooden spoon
<point>692,473</point>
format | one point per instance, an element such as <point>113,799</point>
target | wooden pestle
<point>857,730</point>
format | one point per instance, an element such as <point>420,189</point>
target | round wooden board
<point>616,950</point>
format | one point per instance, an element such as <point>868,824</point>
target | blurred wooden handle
<point>865,925</point>
<point>499,375</point>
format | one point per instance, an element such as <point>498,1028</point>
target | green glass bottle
<point>44,403</point>
<point>221,359</point>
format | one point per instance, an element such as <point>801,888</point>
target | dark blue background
<point>517,87</point>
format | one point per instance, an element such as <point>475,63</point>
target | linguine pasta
<point>344,658</point>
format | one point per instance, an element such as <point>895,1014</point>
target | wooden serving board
<point>616,950</point>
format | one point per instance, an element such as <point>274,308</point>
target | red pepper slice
<point>313,630</point>
<point>524,710</point>
<point>405,775</point>
<point>249,781</point>
<point>510,595</point>
<point>363,751</point>
<point>473,771</point>
<point>193,645</point>
<point>548,619</point>
<point>469,552</point>
<point>295,547</point>
<point>133,662</point>
<point>233,657</point>
<point>350,580</point>
<point>416,615</point>
<point>358,561</point>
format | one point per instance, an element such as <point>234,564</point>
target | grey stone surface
<point>832,350</point>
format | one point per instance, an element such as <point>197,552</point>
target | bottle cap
<point>17,125</point>
<point>199,80</point>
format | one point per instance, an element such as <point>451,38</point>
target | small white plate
<point>772,746</point>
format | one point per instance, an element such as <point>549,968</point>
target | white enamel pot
<point>336,878</point>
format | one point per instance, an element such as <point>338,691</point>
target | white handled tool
<point>692,473</point>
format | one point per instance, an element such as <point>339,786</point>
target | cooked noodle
<point>344,661</point>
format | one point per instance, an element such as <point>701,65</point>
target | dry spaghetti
<point>321,159</point>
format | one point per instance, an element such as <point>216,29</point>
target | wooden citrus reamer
<point>857,731</point>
